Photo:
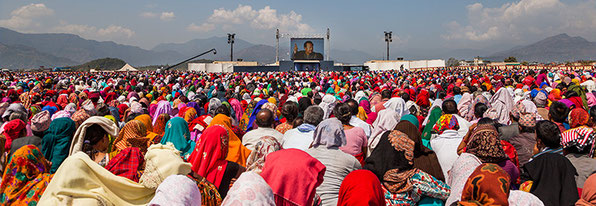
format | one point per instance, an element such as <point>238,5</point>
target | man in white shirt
<point>302,136</point>
<point>357,122</point>
<point>265,122</point>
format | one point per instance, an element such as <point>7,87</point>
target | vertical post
<point>387,50</point>
<point>231,42</point>
<point>388,39</point>
<point>277,45</point>
<point>328,44</point>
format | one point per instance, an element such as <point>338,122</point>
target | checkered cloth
<point>127,163</point>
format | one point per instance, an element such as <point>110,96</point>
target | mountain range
<point>24,50</point>
<point>559,48</point>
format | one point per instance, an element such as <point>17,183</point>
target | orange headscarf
<point>146,120</point>
<point>236,152</point>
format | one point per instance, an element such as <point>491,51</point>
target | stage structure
<point>308,52</point>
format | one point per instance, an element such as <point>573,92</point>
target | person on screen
<point>307,53</point>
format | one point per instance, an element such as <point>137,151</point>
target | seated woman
<point>177,133</point>
<point>92,138</point>
<point>209,159</point>
<point>26,177</point>
<point>294,176</point>
<point>393,163</point>
<point>356,140</point>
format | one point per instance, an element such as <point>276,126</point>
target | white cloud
<point>167,16</point>
<point>148,15</point>
<point>164,16</point>
<point>262,19</point>
<point>205,27</point>
<point>110,32</point>
<point>26,17</point>
<point>524,20</point>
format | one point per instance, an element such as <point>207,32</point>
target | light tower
<point>231,42</point>
<point>388,39</point>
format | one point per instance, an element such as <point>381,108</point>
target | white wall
<point>211,68</point>
<point>397,65</point>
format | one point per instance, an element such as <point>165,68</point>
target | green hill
<point>101,64</point>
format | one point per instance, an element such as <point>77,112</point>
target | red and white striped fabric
<point>579,137</point>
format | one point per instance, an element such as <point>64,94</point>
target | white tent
<point>127,68</point>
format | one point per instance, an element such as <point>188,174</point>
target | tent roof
<point>127,68</point>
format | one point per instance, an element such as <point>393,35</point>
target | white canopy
<point>127,68</point>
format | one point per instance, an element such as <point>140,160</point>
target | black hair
<point>549,133</point>
<point>290,111</point>
<point>342,113</point>
<point>405,96</point>
<point>449,106</point>
<point>456,90</point>
<point>308,42</point>
<point>558,112</point>
<point>222,109</point>
<point>480,109</point>
<point>592,113</point>
<point>317,99</point>
<point>353,106</point>
<point>386,94</point>
<point>93,135</point>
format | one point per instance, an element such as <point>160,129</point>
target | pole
<point>201,54</point>
<point>277,46</point>
<point>387,50</point>
<point>232,51</point>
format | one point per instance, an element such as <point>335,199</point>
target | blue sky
<point>423,25</point>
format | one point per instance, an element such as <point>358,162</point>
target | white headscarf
<point>77,141</point>
<point>327,105</point>
<point>398,105</point>
<point>177,190</point>
<point>250,189</point>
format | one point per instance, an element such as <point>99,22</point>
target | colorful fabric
<point>237,152</point>
<point>446,122</point>
<point>487,185</point>
<point>250,189</point>
<point>25,178</point>
<point>177,190</point>
<point>56,142</point>
<point>12,130</point>
<point>361,187</point>
<point>159,126</point>
<point>580,138</point>
<point>588,196</point>
<point>485,145</point>
<point>284,127</point>
<point>178,134</point>
<point>462,168</point>
<point>133,131</point>
<point>402,143</point>
<point>146,120</point>
<point>208,157</point>
<point>330,134</point>
<point>127,163</point>
<point>290,170</point>
<point>423,185</point>
<point>578,117</point>
<point>256,159</point>
<point>527,120</point>
<point>41,121</point>
<point>209,194</point>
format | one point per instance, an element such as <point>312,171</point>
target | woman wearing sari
<point>128,163</point>
<point>385,121</point>
<point>132,135</point>
<point>361,187</point>
<point>237,152</point>
<point>163,107</point>
<point>26,177</point>
<point>146,120</point>
<point>294,176</point>
<point>56,142</point>
<point>250,183</point>
<point>329,136</point>
<point>424,158</point>
<point>487,185</point>
<point>159,127</point>
<point>392,163</point>
<point>178,134</point>
<point>256,159</point>
<point>208,159</point>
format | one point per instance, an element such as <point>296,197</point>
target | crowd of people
<point>449,136</point>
